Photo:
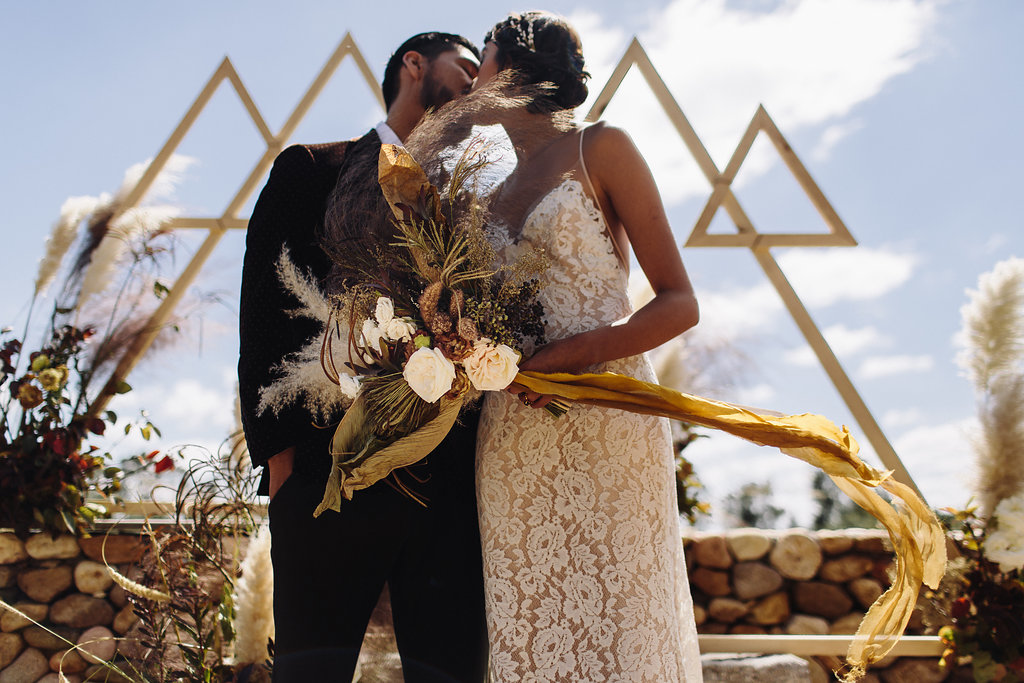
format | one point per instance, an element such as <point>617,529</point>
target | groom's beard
<point>434,94</point>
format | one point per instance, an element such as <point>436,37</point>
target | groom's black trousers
<point>329,572</point>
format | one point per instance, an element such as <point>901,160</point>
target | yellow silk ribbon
<point>917,537</point>
<point>352,471</point>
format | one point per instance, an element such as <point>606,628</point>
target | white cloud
<point>733,313</point>
<point>939,459</point>
<point>884,366</point>
<point>903,417</point>
<point>822,277</point>
<point>844,341</point>
<point>832,136</point>
<point>756,395</point>
<point>807,61</point>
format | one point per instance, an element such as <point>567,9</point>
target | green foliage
<point>688,485</point>
<point>49,472</point>
<point>835,510</point>
<point>751,506</point>
<point>189,638</point>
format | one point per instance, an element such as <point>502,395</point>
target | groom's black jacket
<point>289,213</point>
<point>329,570</point>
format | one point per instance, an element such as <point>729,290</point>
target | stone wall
<point>743,581</point>
<point>797,582</point>
<point>62,583</point>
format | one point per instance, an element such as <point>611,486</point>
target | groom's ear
<point>415,63</point>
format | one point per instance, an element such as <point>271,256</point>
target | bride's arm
<point>631,203</point>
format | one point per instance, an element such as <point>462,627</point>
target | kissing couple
<point>549,549</point>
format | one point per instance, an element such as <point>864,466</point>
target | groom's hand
<point>280,468</point>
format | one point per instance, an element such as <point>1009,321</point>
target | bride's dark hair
<point>542,48</point>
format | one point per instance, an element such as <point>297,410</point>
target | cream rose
<point>371,335</point>
<point>429,374</point>
<point>491,367</point>
<point>399,329</point>
<point>385,311</point>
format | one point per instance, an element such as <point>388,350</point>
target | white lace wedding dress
<point>584,572</point>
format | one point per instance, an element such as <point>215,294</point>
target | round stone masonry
<point>822,599</point>
<point>92,578</point>
<point>43,585</point>
<point>82,611</point>
<point>711,582</point>
<point>713,552</point>
<point>46,547</point>
<point>796,556</point>
<point>748,545</point>
<point>12,549</point>
<point>13,621</point>
<point>846,568</point>
<point>11,645</point>
<point>114,549</point>
<point>753,580</point>
<point>31,665</point>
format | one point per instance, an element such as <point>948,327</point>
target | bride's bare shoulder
<point>604,142</point>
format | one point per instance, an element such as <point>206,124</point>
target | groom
<point>330,570</point>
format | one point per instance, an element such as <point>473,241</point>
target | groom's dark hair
<point>429,45</point>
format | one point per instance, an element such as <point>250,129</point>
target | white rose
<point>1005,549</point>
<point>399,329</point>
<point>429,374</point>
<point>371,335</point>
<point>349,385</point>
<point>489,367</point>
<point>385,311</point>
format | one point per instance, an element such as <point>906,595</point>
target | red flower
<point>152,454</point>
<point>961,608</point>
<point>56,441</point>
<point>164,464</point>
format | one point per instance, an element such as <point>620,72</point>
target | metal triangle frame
<point>722,196</point>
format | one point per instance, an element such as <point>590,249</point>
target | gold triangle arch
<point>722,196</point>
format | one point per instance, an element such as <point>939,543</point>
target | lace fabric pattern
<point>584,572</point>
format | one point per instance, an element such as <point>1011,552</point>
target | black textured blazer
<point>289,212</point>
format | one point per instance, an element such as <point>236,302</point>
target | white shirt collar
<point>387,136</point>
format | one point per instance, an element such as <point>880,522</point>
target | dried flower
<point>52,379</point>
<point>29,396</point>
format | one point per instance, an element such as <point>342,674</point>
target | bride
<point>583,562</point>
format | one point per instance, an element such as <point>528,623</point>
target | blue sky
<point>906,113</point>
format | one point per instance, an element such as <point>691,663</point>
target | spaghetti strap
<point>593,196</point>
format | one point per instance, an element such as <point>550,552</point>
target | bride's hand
<point>549,358</point>
<point>531,399</point>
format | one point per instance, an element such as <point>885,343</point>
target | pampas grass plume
<point>992,338</point>
<point>254,601</point>
<point>72,212</point>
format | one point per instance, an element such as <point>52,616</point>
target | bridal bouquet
<point>428,320</point>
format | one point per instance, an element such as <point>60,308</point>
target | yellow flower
<point>52,379</point>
